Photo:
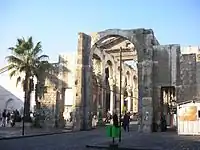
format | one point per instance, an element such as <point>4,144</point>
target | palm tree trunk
<point>36,97</point>
<point>37,117</point>
<point>27,99</point>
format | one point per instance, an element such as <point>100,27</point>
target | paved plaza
<point>97,137</point>
<point>8,132</point>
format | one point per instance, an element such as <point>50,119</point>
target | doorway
<point>168,104</point>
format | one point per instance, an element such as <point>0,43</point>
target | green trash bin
<point>112,131</point>
<point>115,131</point>
<point>109,130</point>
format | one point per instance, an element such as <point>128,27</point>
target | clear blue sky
<point>57,22</point>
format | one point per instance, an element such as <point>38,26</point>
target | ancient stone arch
<point>143,40</point>
<point>9,104</point>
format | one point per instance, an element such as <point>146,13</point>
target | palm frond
<point>13,73</point>
<point>12,66</point>
<point>43,58</point>
<point>20,41</point>
<point>30,42</point>
<point>37,50</point>
<point>14,60</point>
<point>23,68</point>
<point>19,79</point>
<point>11,48</point>
<point>27,45</point>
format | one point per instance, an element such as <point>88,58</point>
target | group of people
<point>9,118</point>
<point>125,120</point>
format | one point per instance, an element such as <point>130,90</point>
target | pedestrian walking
<point>115,120</point>
<point>126,122</point>
<point>4,118</point>
<point>8,117</point>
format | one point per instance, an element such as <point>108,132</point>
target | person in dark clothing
<point>8,117</point>
<point>115,120</point>
<point>126,121</point>
<point>4,118</point>
<point>163,124</point>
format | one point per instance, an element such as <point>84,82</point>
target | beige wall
<point>191,49</point>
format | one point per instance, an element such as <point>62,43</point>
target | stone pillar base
<point>76,120</point>
<point>146,129</point>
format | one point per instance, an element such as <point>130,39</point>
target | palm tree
<point>24,60</point>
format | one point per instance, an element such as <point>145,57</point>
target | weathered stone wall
<point>166,72</point>
<point>198,79</point>
<point>194,50</point>
<point>48,106</point>
<point>52,102</point>
<point>166,58</point>
<point>188,69</point>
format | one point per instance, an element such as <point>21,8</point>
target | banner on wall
<point>188,113</point>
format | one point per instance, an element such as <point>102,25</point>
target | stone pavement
<point>155,141</point>
<point>97,137</point>
<point>8,132</point>
<point>65,141</point>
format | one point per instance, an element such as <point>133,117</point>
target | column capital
<point>129,89</point>
<point>111,81</point>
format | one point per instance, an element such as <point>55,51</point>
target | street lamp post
<point>120,91</point>
<point>23,121</point>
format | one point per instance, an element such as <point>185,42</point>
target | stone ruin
<point>163,76</point>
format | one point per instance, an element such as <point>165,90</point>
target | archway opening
<point>111,45</point>
<point>96,97</point>
<point>9,104</point>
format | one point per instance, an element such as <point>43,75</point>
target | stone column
<point>122,103</point>
<point>129,102</point>
<point>129,98</point>
<point>83,84</point>
<point>111,83</point>
<point>100,103</point>
<point>146,101</point>
<point>97,102</point>
<point>98,95</point>
<point>135,101</point>
<point>103,85</point>
<point>122,94</point>
<point>60,94</point>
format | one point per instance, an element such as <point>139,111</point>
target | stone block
<point>147,101</point>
